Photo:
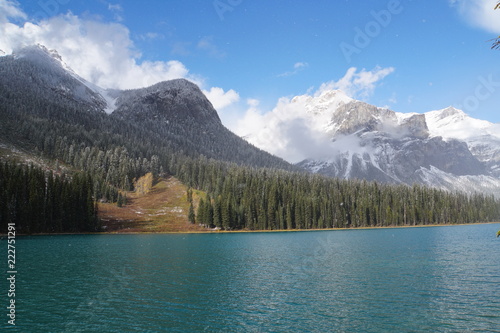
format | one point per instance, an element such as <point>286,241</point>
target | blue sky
<point>411,56</point>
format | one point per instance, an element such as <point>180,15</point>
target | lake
<point>440,279</point>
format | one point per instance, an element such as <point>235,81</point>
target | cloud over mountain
<point>290,132</point>
<point>101,52</point>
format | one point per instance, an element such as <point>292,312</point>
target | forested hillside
<point>40,202</point>
<point>263,199</point>
<point>172,129</point>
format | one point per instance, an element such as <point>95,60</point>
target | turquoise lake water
<point>438,279</point>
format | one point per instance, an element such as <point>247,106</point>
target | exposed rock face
<point>358,116</point>
<point>379,144</point>
<point>482,137</point>
<point>387,159</point>
<point>173,100</point>
<point>416,126</point>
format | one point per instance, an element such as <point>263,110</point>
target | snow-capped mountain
<point>58,78</point>
<point>337,136</point>
<point>444,148</point>
<point>481,136</point>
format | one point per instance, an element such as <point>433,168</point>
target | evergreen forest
<point>42,202</point>
<point>245,188</point>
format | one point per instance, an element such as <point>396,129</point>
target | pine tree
<point>191,215</point>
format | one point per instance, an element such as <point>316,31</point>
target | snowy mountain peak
<point>41,55</point>
<point>167,100</point>
<point>326,101</point>
<point>451,111</point>
<point>329,96</point>
<point>56,79</point>
<point>451,123</point>
<point>181,88</point>
<point>341,137</point>
<point>447,115</point>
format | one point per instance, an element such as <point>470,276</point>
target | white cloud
<point>358,84</point>
<point>102,53</point>
<point>253,102</point>
<point>10,9</point>
<point>149,36</point>
<point>287,131</point>
<point>479,13</point>
<point>297,67</point>
<point>291,131</point>
<point>221,99</point>
<point>115,7</point>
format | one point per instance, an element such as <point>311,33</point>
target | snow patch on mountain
<point>51,61</point>
<point>446,181</point>
<point>106,94</point>
<point>451,123</point>
<point>322,106</point>
<point>482,137</point>
<point>342,137</point>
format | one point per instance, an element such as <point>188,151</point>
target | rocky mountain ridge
<point>443,148</point>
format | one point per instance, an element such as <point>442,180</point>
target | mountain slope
<point>172,129</point>
<point>41,74</point>
<point>445,149</point>
<point>43,101</point>
<point>481,137</point>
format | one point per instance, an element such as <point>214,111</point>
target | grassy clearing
<point>162,209</point>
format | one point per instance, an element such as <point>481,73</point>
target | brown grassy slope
<point>163,209</point>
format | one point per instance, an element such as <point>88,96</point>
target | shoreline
<point>248,231</point>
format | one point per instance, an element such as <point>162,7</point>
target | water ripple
<point>442,279</point>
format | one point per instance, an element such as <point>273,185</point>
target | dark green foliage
<point>191,215</point>
<point>248,189</point>
<point>40,202</point>
<point>263,199</point>
<point>122,200</point>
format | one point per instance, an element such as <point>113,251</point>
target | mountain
<point>445,148</point>
<point>106,141</point>
<point>43,102</point>
<point>176,100</point>
<point>40,72</point>
<point>482,137</point>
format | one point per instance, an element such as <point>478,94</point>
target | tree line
<point>244,197</point>
<point>246,188</point>
<point>37,201</point>
<point>264,199</point>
